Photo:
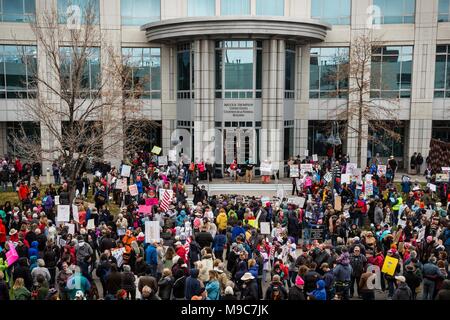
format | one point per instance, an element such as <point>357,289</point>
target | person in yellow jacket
<point>396,208</point>
<point>222,220</point>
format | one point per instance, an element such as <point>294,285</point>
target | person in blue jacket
<point>192,286</point>
<point>219,244</point>
<point>319,293</point>
<point>33,251</point>
<point>180,218</point>
<point>237,230</point>
<point>151,258</point>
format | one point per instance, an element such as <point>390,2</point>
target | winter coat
<point>151,256</point>
<point>192,286</point>
<point>213,290</point>
<point>250,291</point>
<point>319,293</point>
<point>204,239</point>
<point>343,272</point>
<point>444,293</point>
<point>33,251</point>
<point>219,242</point>
<point>165,287</point>
<point>295,293</point>
<point>221,221</point>
<point>113,282</point>
<point>403,292</point>
<point>358,264</point>
<point>128,281</point>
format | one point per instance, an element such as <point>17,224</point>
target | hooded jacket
<point>33,251</point>
<point>403,292</point>
<point>343,271</point>
<point>319,293</point>
<point>222,220</point>
<point>192,286</point>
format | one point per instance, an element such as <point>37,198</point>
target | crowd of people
<point>329,241</point>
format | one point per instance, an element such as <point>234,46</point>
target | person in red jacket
<point>181,251</point>
<point>18,166</point>
<point>2,234</point>
<point>24,191</point>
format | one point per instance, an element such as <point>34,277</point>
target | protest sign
<point>315,157</point>
<point>300,201</point>
<point>126,170</point>
<point>306,153</point>
<point>299,183</point>
<point>265,227</point>
<point>306,167</point>
<point>152,231</point>
<point>133,190</point>
<point>356,176</point>
<point>368,177</point>
<point>280,193</point>
<point>156,150</point>
<point>432,187</point>
<point>266,168</point>
<point>445,169</point>
<point>253,223</point>
<point>406,178</point>
<point>173,155</point>
<point>389,265</point>
<point>338,203</point>
<point>162,161</point>
<point>11,255</point>
<point>63,213</point>
<point>75,213</point>
<point>151,201</point>
<point>368,188</point>
<point>118,254</point>
<point>145,209</point>
<point>350,167</point>
<point>345,178</point>
<point>56,200</point>
<point>293,171</point>
<point>381,170</point>
<point>317,233</point>
<point>91,224</point>
<point>328,177</point>
<point>441,177</point>
<point>71,228</point>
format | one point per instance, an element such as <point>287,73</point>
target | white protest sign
<point>152,231</point>
<point>381,170</point>
<point>306,153</point>
<point>126,170</point>
<point>445,169</point>
<point>63,213</point>
<point>173,155</point>
<point>350,167</point>
<point>328,177</point>
<point>56,200</point>
<point>368,188</point>
<point>356,176</point>
<point>345,178</point>
<point>300,201</point>
<point>91,224</point>
<point>293,171</point>
<point>306,167</point>
<point>71,228</point>
<point>368,177</point>
<point>265,227</point>
<point>266,168</point>
<point>432,187</point>
<point>75,213</point>
<point>280,193</point>
<point>299,183</point>
<point>118,254</point>
<point>133,190</point>
<point>315,157</point>
<point>162,161</point>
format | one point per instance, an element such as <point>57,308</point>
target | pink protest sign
<point>11,255</point>
<point>145,209</point>
<point>151,201</point>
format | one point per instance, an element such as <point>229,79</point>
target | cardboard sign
<point>162,161</point>
<point>63,213</point>
<point>76,215</point>
<point>350,167</point>
<point>265,227</point>
<point>315,157</point>
<point>12,255</point>
<point>91,224</point>
<point>328,177</point>
<point>345,178</point>
<point>432,187</point>
<point>306,167</point>
<point>338,203</point>
<point>389,265</point>
<point>294,171</point>
<point>173,155</point>
<point>126,171</point>
<point>71,228</point>
<point>145,209</point>
<point>156,150</point>
<point>133,190</point>
<point>152,231</point>
<point>357,176</point>
<point>381,170</point>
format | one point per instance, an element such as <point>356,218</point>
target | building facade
<point>250,79</point>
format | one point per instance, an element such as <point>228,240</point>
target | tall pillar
<point>168,95</point>
<point>301,99</point>
<point>424,57</point>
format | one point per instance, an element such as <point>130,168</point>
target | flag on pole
<point>186,248</point>
<point>166,200</point>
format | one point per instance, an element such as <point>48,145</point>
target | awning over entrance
<point>188,29</point>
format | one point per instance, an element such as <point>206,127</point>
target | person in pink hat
<point>296,292</point>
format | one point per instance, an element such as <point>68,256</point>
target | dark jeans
<point>344,291</point>
<point>352,285</point>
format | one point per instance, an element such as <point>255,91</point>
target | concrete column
<point>168,101</point>
<point>301,99</point>
<point>424,57</point>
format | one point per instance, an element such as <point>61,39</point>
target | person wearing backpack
<point>83,254</point>
<point>51,257</point>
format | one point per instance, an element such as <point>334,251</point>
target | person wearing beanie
<point>296,291</point>
<point>342,273</point>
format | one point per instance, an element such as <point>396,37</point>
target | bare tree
<point>83,113</point>
<point>362,108</point>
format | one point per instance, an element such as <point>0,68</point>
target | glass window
<point>328,78</point>
<point>185,65</point>
<point>442,72</point>
<point>289,83</point>
<point>89,60</point>
<point>270,7</point>
<point>236,76</point>
<point>139,12</point>
<point>444,11</point>
<point>200,8</point>
<point>145,77</point>
<point>18,65</point>
<point>235,7</point>
<point>391,71</point>
<point>331,11</point>
<point>17,10</point>
<point>395,11</point>
<point>441,130</point>
<point>88,9</point>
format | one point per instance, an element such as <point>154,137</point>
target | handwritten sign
<point>71,228</point>
<point>162,161</point>
<point>145,209</point>
<point>350,167</point>
<point>63,213</point>
<point>11,255</point>
<point>156,150</point>
<point>91,224</point>
<point>345,178</point>
<point>306,167</point>
<point>293,171</point>
<point>328,177</point>
<point>368,188</point>
<point>133,190</point>
<point>315,157</point>
<point>265,227</point>
<point>338,203</point>
<point>381,170</point>
<point>152,231</point>
<point>76,215</point>
<point>126,171</point>
<point>432,187</point>
<point>306,152</point>
<point>173,155</point>
<point>266,168</point>
<point>56,200</point>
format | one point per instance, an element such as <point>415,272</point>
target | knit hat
<point>299,281</point>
